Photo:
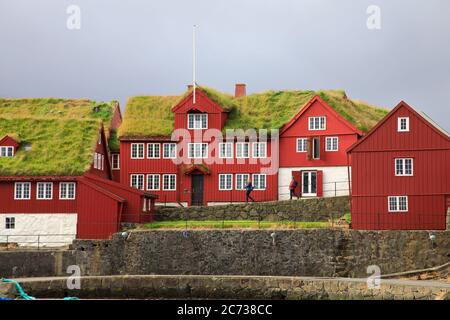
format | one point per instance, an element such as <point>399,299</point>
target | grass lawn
<point>235,224</point>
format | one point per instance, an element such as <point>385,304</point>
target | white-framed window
<point>153,150</point>
<point>137,181</point>
<point>398,204</point>
<point>403,124</point>
<point>102,157</point>
<point>242,150</point>
<point>67,190</point>
<point>226,150</point>
<point>259,181</point>
<point>115,160</point>
<point>197,121</point>
<point>259,149</point>
<point>225,181</point>
<point>99,160</point>
<point>404,167</point>
<point>169,150</point>
<point>197,150</point>
<point>153,181</point>
<point>169,181</point>
<point>317,123</point>
<point>331,144</point>
<point>44,191</point>
<point>302,144</point>
<point>137,151</point>
<point>6,151</point>
<point>10,223</point>
<point>22,190</point>
<point>241,180</point>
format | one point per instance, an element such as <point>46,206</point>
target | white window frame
<point>227,179</point>
<point>402,162</point>
<point>169,147</point>
<point>114,157</point>
<point>197,124</point>
<point>399,124</point>
<point>196,145</point>
<point>156,150</point>
<point>259,150</point>
<point>6,151</point>
<point>10,223</point>
<point>332,139</point>
<point>322,125</point>
<point>139,148</point>
<point>138,176</point>
<point>156,184</point>
<point>226,150</point>
<point>66,194</point>
<point>45,186</point>
<point>303,142</point>
<point>169,177</point>
<point>397,203</point>
<point>256,185</point>
<point>22,195</point>
<point>244,178</point>
<point>241,155</point>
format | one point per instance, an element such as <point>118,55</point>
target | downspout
<point>349,183</point>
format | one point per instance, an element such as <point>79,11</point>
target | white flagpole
<point>193,60</point>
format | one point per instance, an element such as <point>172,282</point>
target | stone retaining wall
<point>318,209</point>
<point>234,287</point>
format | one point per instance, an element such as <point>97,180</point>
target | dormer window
<point>317,123</point>
<point>403,124</point>
<point>197,121</point>
<point>6,151</point>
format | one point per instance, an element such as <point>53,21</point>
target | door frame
<point>193,201</point>
<point>309,172</point>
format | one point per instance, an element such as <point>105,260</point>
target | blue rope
<point>23,294</point>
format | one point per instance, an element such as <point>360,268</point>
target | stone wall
<point>301,252</point>
<point>317,209</point>
<point>234,287</point>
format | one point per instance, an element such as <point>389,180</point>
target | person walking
<point>249,187</point>
<point>292,186</point>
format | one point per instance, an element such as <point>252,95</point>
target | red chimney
<point>240,90</point>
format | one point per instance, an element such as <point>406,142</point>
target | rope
<point>23,294</point>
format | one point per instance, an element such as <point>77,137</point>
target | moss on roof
<point>152,115</point>
<point>62,134</point>
<point>58,147</point>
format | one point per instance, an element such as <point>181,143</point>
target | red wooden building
<point>401,173</point>
<point>56,178</point>
<point>159,133</point>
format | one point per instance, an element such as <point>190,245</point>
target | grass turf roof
<point>58,147</point>
<point>62,134</point>
<point>151,116</point>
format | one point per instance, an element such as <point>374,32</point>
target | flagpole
<point>193,61</point>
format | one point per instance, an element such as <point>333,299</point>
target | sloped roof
<point>62,133</point>
<point>152,116</point>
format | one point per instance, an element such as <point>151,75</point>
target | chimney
<point>240,90</point>
<point>189,87</point>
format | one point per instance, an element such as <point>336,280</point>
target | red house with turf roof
<point>401,174</point>
<point>56,182</point>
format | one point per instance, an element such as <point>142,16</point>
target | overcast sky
<point>136,47</point>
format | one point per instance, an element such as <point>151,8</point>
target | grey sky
<point>134,47</point>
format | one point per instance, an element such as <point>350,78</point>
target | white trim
<point>22,193</point>
<point>332,144</point>
<point>137,150</point>
<point>194,121</point>
<point>67,191</point>
<point>403,164</point>
<point>164,149</point>
<point>118,161</point>
<point>137,175</point>
<point>45,184</point>
<point>397,203</point>
<point>242,149</point>
<point>399,124</point>
<point>226,175</point>
<point>175,182</point>
<point>309,194</point>
<point>304,144</point>
<point>196,144</point>
<point>5,150</point>
<point>260,155</point>
<point>231,147</point>
<point>155,146</point>
<point>254,184</point>
<point>313,128</point>
<point>159,181</point>
<point>243,181</point>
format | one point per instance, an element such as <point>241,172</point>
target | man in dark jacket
<point>292,186</point>
<point>249,187</point>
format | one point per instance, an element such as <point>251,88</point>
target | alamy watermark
<point>73,21</point>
